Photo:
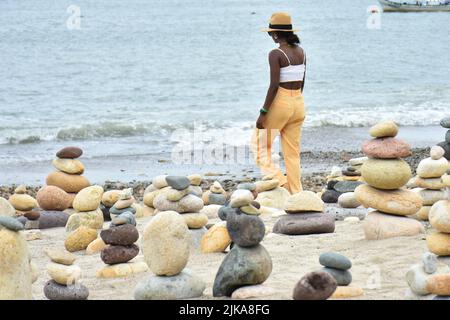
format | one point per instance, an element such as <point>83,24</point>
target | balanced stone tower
<point>386,174</point>
<point>248,262</point>
<point>215,195</point>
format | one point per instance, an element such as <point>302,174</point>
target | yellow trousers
<point>285,118</point>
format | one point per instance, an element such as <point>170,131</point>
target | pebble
<point>247,186</point>
<point>10,223</point>
<point>429,183</point>
<point>342,277</point>
<point>159,182</point>
<point>118,212</point>
<point>374,172</point>
<point>348,200</point>
<point>23,202</point>
<point>352,220</point>
<point>378,226</point>
<point>251,209</point>
<point>386,148</point>
<point>211,211</point>
<point>88,199</point>
<point>52,219</point>
<point>122,235</point>
<point>70,166</point>
<point>63,274</point>
<point>447,137</point>
<point>429,168</point>
<point>267,185</point>
<point>302,224</point>
<point>304,201</point>
<point>275,198</point>
<point>32,215</point>
<point>69,153</point>
<point>343,292</point>
<point>346,186</point>
<point>241,198</point>
<point>253,291</point>
<point>437,152</point>
<point>330,196</point>
<point>316,285</point>
<point>195,220</point>
<point>92,219</point>
<point>245,230</point>
<point>119,254</point>
<point>95,246</point>
<point>6,208</point>
<point>53,198</point>
<point>189,203</point>
<point>80,238</point>
<point>430,262</point>
<point>445,122</point>
<point>122,270</point>
<point>439,216</point>
<point>195,179</point>
<point>439,243</point>
<point>109,198</point>
<point>125,203</point>
<point>216,239</point>
<point>384,129</point>
<point>178,182</point>
<point>335,260</point>
<point>124,218</point>
<point>357,161</point>
<point>60,256</point>
<point>217,198</point>
<point>55,291</point>
<point>430,197</point>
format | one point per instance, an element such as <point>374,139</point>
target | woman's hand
<point>260,121</point>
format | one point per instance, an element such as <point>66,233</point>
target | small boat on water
<point>415,6</point>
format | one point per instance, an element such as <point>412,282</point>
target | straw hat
<point>280,21</point>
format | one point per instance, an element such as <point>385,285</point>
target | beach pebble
<point>357,161</point>
<point>275,198</point>
<point>60,256</point>
<point>165,243</point>
<point>342,277</point>
<point>69,153</point>
<point>251,209</point>
<point>123,235</point>
<point>178,182</point>
<point>430,262</point>
<point>352,220</point>
<point>55,291</point>
<point>348,200</point>
<point>70,183</point>
<point>330,196</point>
<point>252,292</point>
<point>109,198</point>
<point>241,198</point>
<point>267,185</point>
<point>316,285</point>
<point>398,202</point>
<point>22,189</point>
<point>51,219</point>
<point>122,270</point>
<point>117,212</point>
<point>216,239</point>
<point>335,260</point>
<point>245,230</point>
<point>423,213</point>
<point>386,148</point>
<point>124,203</point>
<point>70,166</point>
<point>80,238</point>
<point>301,224</point>
<point>429,183</point>
<point>217,198</point>
<point>88,199</point>
<point>95,246</point>
<point>447,137</point>
<point>23,202</point>
<point>343,292</point>
<point>6,208</point>
<point>189,203</point>
<point>225,211</point>
<point>430,197</point>
<point>195,220</point>
<point>53,198</point>
<point>63,274</point>
<point>195,179</point>
<point>346,186</point>
<point>304,201</point>
<point>439,243</point>
<point>387,174</point>
<point>124,218</point>
<point>439,284</point>
<point>439,216</point>
<point>185,285</point>
<point>335,172</point>
<point>445,122</point>
<point>216,187</point>
<point>436,152</point>
<point>31,235</point>
<point>242,267</point>
<point>429,168</point>
<point>383,226</point>
<point>10,223</point>
<point>176,195</point>
<point>211,211</point>
<point>160,182</point>
<point>384,129</point>
<point>119,254</point>
<point>92,219</point>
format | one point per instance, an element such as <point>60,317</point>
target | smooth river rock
<point>382,226</point>
<point>317,285</point>
<point>387,174</point>
<point>303,224</point>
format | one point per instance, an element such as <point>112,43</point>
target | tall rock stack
<point>270,194</point>
<point>248,262</point>
<point>69,171</point>
<point>445,123</point>
<point>386,174</point>
<point>304,216</point>
<point>64,284</point>
<point>125,203</point>
<point>15,269</point>
<point>165,245</point>
<point>88,212</point>
<point>429,173</point>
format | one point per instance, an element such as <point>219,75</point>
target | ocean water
<point>139,76</point>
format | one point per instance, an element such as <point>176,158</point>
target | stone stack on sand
<point>125,203</point>
<point>64,284</point>
<point>270,194</point>
<point>21,201</point>
<point>421,280</point>
<point>165,244</point>
<point>109,198</point>
<point>431,187</point>
<point>248,262</point>
<point>120,241</point>
<point>215,195</point>
<point>87,207</point>
<point>386,174</point>
<point>317,285</point>
<point>183,198</point>
<point>304,216</point>
<point>69,171</point>
<point>445,123</point>
<point>15,268</point>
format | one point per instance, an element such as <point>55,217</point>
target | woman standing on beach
<point>283,111</point>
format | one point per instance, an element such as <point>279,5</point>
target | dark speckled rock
<point>119,254</point>
<point>56,291</point>
<point>305,223</point>
<point>245,230</point>
<point>330,196</point>
<point>123,235</point>
<point>316,285</point>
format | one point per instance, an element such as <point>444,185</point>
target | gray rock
<point>445,122</point>
<point>217,198</point>
<point>417,280</point>
<point>316,285</point>
<point>224,211</point>
<point>247,186</point>
<point>56,291</point>
<point>446,147</point>
<point>178,182</point>
<point>245,230</point>
<point>184,285</point>
<point>52,219</point>
<point>342,277</point>
<point>11,223</point>
<point>335,260</point>
<point>241,267</point>
<point>124,218</point>
<point>447,136</point>
<point>330,196</point>
<point>347,186</point>
<point>304,223</point>
<point>340,214</point>
<point>117,212</point>
<point>429,261</point>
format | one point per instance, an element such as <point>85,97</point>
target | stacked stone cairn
<point>15,266</point>
<point>65,276</point>
<point>109,198</point>
<point>428,280</point>
<point>304,216</point>
<point>165,245</point>
<point>445,123</point>
<point>215,195</point>
<point>438,242</point>
<point>428,179</point>
<point>269,193</point>
<point>386,175</point>
<point>248,262</point>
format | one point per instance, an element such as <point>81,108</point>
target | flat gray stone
<point>335,260</point>
<point>11,223</point>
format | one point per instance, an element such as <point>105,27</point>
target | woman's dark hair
<point>290,37</point>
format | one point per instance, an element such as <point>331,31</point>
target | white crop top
<point>292,72</point>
